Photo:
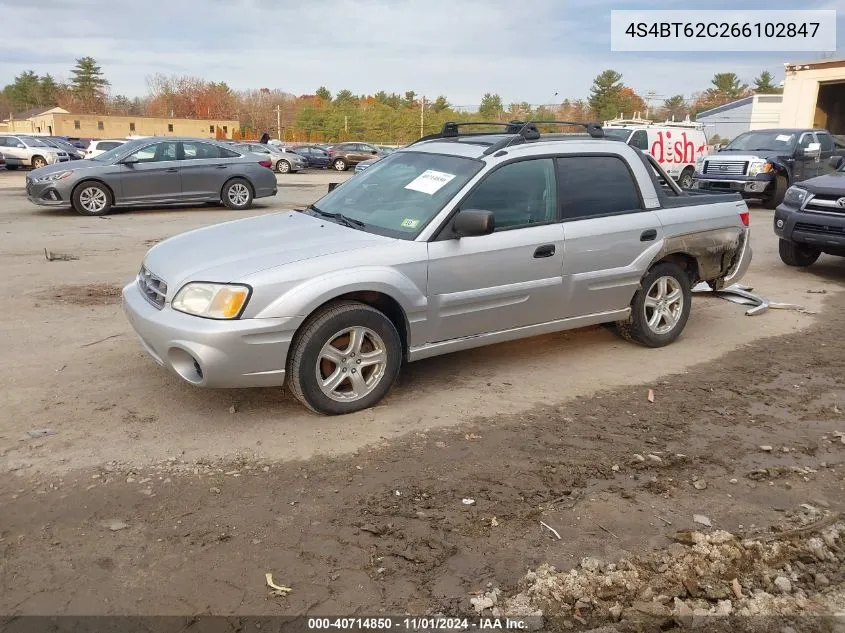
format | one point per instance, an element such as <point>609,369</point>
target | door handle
<point>547,250</point>
<point>649,235</point>
<point>221,166</point>
<point>172,170</point>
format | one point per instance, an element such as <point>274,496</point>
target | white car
<point>98,147</point>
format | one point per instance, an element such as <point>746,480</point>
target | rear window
<point>107,145</point>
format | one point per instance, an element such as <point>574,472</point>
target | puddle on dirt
<point>87,295</point>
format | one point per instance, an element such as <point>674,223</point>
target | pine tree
<point>88,83</point>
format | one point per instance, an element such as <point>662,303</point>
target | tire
<point>237,194</point>
<point>793,254</point>
<point>340,165</point>
<point>283,167</point>
<point>778,192</point>
<point>91,198</point>
<point>638,328</point>
<point>11,167</point>
<point>38,162</point>
<point>308,363</point>
<point>685,181</point>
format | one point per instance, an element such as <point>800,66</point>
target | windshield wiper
<point>350,222</point>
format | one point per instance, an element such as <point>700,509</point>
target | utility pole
<point>422,118</point>
<point>279,122</point>
<point>648,97</point>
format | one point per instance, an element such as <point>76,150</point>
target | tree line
<point>323,116</point>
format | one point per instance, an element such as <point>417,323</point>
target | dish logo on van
<point>682,151</point>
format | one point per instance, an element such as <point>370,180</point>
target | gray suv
<point>454,242</point>
<point>28,151</point>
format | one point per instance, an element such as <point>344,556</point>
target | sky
<point>524,51</point>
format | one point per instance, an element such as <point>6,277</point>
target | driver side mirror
<point>130,160</point>
<point>813,149</point>
<point>473,222</point>
<point>836,161</point>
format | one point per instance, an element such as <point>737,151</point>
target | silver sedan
<point>155,171</point>
<point>283,160</point>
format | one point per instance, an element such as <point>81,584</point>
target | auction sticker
<point>410,223</point>
<point>430,181</point>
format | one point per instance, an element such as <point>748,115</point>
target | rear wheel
<point>660,308</point>
<point>91,198</point>
<point>685,181</point>
<point>237,194</point>
<point>11,167</point>
<point>345,359</point>
<point>778,192</point>
<point>793,254</point>
<point>340,164</point>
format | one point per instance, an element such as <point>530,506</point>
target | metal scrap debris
<point>278,590</point>
<point>740,294</point>
<point>58,257</point>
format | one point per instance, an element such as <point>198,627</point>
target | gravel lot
<point>228,485</point>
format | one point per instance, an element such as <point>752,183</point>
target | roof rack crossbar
<point>519,131</point>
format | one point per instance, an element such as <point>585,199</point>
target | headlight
<point>759,167</point>
<point>53,177</point>
<point>795,196</point>
<point>213,301</point>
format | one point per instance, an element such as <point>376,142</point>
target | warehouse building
<point>60,122</point>
<point>814,95</point>
<point>751,113</point>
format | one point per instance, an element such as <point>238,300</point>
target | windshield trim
<point>436,213</point>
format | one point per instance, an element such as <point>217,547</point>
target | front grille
<point>725,167</point>
<point>826,204</point>
<point>820,228</point>
<point>153,288</point>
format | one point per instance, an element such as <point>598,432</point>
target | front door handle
<point>649,235</point>
<point>172,170</point>
<point>546,250</point>
<point>221,166</point>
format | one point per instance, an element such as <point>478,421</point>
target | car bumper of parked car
<point>208,352</point>
<point>45,194</point>
<point>741,184</point>
<point>826,232</point>
<point>742,261</point>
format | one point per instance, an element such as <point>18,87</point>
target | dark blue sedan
<point>316,156</point>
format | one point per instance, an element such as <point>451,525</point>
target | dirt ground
<point>125,491</point>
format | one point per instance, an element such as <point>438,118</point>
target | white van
<point>676,146</point>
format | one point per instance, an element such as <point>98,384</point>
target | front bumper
<point>749,185</point>
<point>210,353</point>
<point>46,194</point>
<point>824,231</point>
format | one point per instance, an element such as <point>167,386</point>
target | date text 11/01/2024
<point>723,29</point>
<point>417,624</point>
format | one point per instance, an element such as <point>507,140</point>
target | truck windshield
<point>618,133</point>
<point>400,194</point>
<point>764,140</point>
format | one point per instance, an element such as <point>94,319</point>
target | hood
<point>743,155</point>
<point>75,166</point>
<point>827,185</point>
<point>230,251</point>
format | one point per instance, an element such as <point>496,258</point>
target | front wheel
<point>793,254</point>
<point>38,162</point>
<point>660,308</point>
<point>778,192</point>
<point>345,359</point>
<point>339,164</point>
<point>237,194</point>
<point>91,198</point>
<point>283,167</point>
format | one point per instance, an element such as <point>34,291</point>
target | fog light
<point>779,224</point>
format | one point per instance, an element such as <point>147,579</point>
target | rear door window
<point>592,186</point>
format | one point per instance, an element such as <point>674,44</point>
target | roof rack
<point>518,131</point>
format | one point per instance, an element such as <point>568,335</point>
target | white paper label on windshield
<point>430,181</point>
<point>784,137</point>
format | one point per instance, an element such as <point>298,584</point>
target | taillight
<point>745,216</point>
<point>266,163</point>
